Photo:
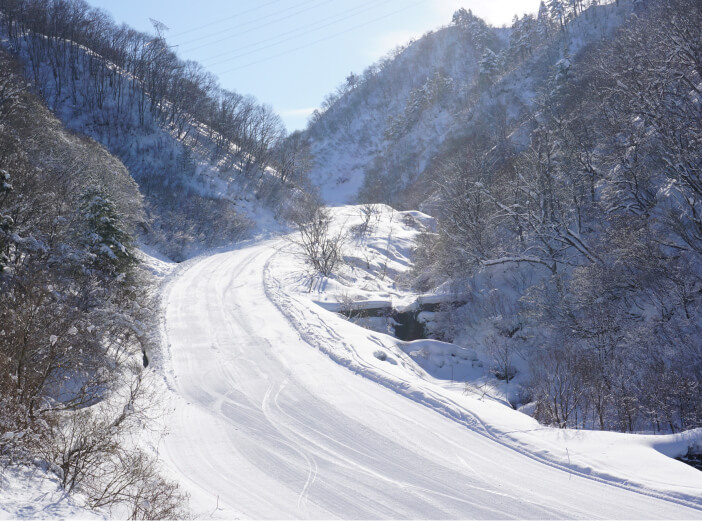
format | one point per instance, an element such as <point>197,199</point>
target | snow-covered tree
<point>557,12</point>
<point>523,32</point>
<point>473,27</point>
<point>352,81</point>
<point>543,20</point>
<point>6,221</point>
<point>104,234</point>
<point>321,246</point>
<point>489,66</point>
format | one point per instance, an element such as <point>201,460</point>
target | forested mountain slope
<point>565,177</point>
<point>194,165</point>
<point>382,135</point>
<point>370,119</point>
<point>200,154</point>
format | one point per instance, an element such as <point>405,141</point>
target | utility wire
<point>250,22</point>
<point>321,39</point>
<point>313,27</point>
<point>237,15</point>
<point>334,18</point>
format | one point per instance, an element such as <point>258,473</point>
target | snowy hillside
<point>202,155</point>
<point>409,97</point>
<point>29,493</point>
<point>383,135</point>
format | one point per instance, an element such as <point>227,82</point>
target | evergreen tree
<point>557,12</point>
<point>561,75</point>
<point>476,29</point>
<point>461,16</point>
<point>520,39</point>
<point>543,20</point>
<point>186,163</point>
<point>488,67</point>
<point>352,81</point>
<point>104,235</point>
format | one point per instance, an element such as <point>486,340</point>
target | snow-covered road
<point>266,426</point>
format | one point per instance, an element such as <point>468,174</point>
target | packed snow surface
<point>282,409</point>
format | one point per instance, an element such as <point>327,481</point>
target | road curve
<point>267,427</point>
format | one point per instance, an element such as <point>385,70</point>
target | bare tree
<point>321,246</point>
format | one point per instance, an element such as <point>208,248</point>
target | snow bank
<point>421,371</point>
<point>30,493</point>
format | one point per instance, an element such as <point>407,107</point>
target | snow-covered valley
<point>470,288</point>
<point>283,410</point>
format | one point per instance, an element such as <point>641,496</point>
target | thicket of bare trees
<point>74,312</point>
<point>602,209</point>
<point>78,52</point>
<point>156,112</point>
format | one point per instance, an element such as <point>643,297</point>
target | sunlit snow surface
<point>30,493</point>
<point>282,409</point>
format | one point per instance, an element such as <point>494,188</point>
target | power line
<point>250,22</point>
<point>334,17</point>
<point>321,39</point>
<point>237,15</point>
<point>316,26</point>
<point>258,27</point>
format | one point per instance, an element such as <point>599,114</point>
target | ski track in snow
<point>267,425</point>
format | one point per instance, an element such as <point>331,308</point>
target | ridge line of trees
<point>136,74</point>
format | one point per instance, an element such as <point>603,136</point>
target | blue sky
<point>291,53</point>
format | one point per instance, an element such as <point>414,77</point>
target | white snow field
<point>28,492</point>
<point>284,410</point>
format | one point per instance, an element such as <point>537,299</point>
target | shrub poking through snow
<point>322,246</point>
